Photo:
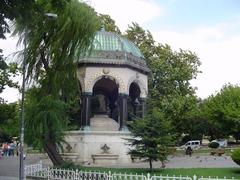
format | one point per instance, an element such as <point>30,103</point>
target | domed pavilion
<point>113,80</point>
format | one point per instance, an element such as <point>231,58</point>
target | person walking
<point>12,146</point>
<point>8,149</point>
<point>5,149</point>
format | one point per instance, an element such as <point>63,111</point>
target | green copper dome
<point>107,41</point>
<point>112,49</point>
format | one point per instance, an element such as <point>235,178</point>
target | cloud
<point>10,95</point>
<point>218,49</point>
<point>125,12</point>
<point>9,45</point>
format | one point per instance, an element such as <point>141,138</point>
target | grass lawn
<point>205,172</point>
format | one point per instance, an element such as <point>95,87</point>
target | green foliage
<point>45,117</point>
<point>185,139</point>
<point>53,47</point>
<point>172,72</point>
<point>213,145</point>
<point>10,9</point>
<point>7,72</point>
<point>222,112</point>
<point>143,39</point>
<point>108,23</point>
<point>74,113</point>
<point>151,137</point>
<point>169,81</point>
<point>54,44</point>
<point>169,90</point>
<point>236,156</point>
<point>9,120</point>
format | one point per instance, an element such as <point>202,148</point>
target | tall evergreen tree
<point>151,137</point>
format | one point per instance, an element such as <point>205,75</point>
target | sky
<point>210,28</point>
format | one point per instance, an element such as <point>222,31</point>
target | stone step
<point>103,123</point>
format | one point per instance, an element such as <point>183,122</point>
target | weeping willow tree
<point>52,47</point>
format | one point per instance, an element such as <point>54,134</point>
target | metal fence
<point>39,171</point>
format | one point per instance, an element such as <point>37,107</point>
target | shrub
<point>172,150</point>
<point>214,145</point>
<point>236,156</point>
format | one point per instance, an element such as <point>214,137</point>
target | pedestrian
<point>189,151</point>
<point>12,147</point>
<point>5,149</point>
<point>1,153</point>
<point>8,149</point>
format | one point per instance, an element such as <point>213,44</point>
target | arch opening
<point>134,105</point>
<point>105,97</point>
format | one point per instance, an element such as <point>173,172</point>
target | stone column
<point>143,104</point>
<point>123,113</point>
<point>86,111</point>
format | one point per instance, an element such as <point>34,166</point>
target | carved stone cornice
<point>115,58</point>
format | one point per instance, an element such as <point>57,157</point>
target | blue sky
<point>189,13</point>
<point>185,15</point>
<point>210,28</point>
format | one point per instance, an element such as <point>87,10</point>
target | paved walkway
<point>187,162</point>
<point>202,161</point>
<point>9,166</point>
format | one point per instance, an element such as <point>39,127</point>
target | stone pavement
<point>9,166</point>
<point>203,161</point>
<point>183,161</point>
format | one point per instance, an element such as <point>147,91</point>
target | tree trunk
<point>150,164</point>
<point>51,149</point>
<point>163,164</point>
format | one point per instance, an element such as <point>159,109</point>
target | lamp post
<point>21,152</point>
<point>21,167</point>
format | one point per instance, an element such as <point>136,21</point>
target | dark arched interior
<point>133,101</point>
<point>105,92</point>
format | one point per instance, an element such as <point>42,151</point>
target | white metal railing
<point>124,176</point>
<point>38,171</point>
<point>33,168</point>
<point>161,177</point>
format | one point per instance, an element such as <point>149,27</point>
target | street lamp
<point>21,153</point>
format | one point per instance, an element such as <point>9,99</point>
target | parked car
<point>221,142</point>
<point>192,144</point>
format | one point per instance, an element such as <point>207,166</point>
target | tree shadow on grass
<point>236,172</point>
